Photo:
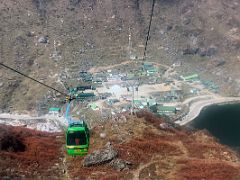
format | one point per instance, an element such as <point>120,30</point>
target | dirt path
<point>159,64</point>
<point>64,166</point>
<point>103,68</point>
<point>158,159</point>
<point>136,174</point>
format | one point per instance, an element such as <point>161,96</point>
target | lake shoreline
<point>197,107</point>
<point>221,121</point>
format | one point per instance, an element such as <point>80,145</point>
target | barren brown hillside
<point>47,39</point>
<point>155,149</point>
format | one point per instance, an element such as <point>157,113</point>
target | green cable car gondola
<point>77,135</point>
<point>77,138</point>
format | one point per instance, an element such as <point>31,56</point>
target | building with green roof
<point>152,70</point>
<point>192,77</point>
<point>166,110</point>
<point>54,111</point>
<point>94,106</point>
<point>149,68</point>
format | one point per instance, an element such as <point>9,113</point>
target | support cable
<point>149,28</point>
<point>43,84</point>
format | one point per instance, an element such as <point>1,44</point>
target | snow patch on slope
<point>47,123</point>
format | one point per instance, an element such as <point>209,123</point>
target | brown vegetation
<point>160,153</point>
<point>204,169</point>
<point>27,152</point>
<point>155,153</point>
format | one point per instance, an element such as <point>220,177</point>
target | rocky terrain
<point>54,40</point>
<point>134,147</point>
<point>27,153</point>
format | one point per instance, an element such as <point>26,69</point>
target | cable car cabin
<point>77,139</point>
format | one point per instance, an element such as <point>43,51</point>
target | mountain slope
<point>154,149</point>
<point>81,34</point>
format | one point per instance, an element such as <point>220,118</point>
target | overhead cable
<point>149,28</point>
<point>43,84</point>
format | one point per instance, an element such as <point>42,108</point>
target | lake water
<point>222,121</point>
